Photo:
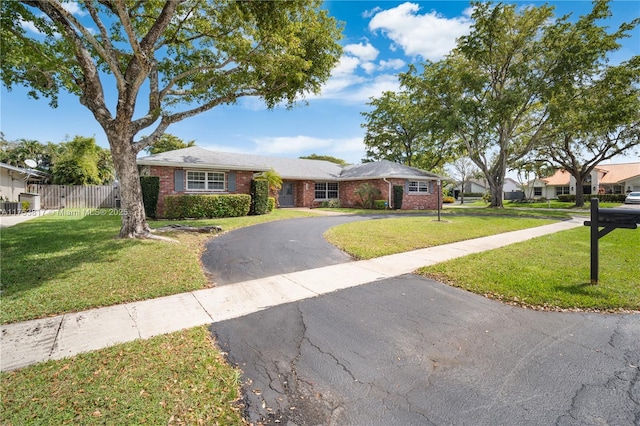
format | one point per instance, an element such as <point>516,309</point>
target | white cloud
<point>365,52</point>
<point>29,26</point>
<point>393,64</point>
<point>369,67</point>
<point>350,149</point>
<point>73,8</point>
<point>373,88</point>
<point>429,35</point>
<point>370,13</point>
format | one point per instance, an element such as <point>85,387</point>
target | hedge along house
<point>306,183</point>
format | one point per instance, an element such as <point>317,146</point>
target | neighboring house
<point>604,179</point>
<point>14,180</point>
<point>306,183</point>
<point>480,186</point>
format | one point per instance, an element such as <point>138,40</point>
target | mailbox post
<point>608,220</point>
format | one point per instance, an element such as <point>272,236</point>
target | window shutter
<point>231,181</point>
<point>178,180</point>
<point>432,187</point>
<point>406,186</point>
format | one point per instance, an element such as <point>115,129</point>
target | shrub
<point>150,191</point>
<point>331,204</point>
<point>206,206</point>
<point>272,204</point>
<point>448,199</point>
<point>380,204</point>
<point>486,197</point>
<point>398,192</point>
<point>259,197</point>
<point>367,194</point>
<point>473,195</point>
<point>25,205</point>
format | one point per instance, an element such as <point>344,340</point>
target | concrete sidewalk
<point>66,335</point>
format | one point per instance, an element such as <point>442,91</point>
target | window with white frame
<point>419,186</point>
<point>205,181</point>
<point>560,190</point>
<point>326,190</point>
<point>537,191</point>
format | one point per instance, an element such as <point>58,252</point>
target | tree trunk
<point>579,192</point>
<point>134,223</point>
<point>496,195</point>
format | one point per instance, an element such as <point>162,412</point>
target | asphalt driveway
<point>273,248</point>
<point>411,351</point>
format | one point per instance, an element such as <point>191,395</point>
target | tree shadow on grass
<point>50,248</point>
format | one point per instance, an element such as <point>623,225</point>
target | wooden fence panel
<point>76,196</point>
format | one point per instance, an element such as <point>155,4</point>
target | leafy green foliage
<point>168,142</point>
<point>150,186</point>
<point>206,206</point>
<point>367,194</point>
<point>259,197</point>
<point>519,74</point>
<point>380,204</point>
<point>178,59</point>
<point>272,204</point>
<point>82,162</point>
<point>331,204</point>
<point>329,158</point>
<point>401,130</point>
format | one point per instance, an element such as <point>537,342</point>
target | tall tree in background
<point>168,142</point>
<point>401,130</point>
<point>595,107</point>
<point>173,59</point>
<point>82,162</point>
<point>491,86</point>
<point>329,158</point>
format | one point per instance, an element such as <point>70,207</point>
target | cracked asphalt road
<point>411,351</point>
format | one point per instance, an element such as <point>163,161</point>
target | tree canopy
<point>168,142</point>
<point>339,161</point>
<point>166,61</point>
<point>515,77</point>
<point>402,130</point>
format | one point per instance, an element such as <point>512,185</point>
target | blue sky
<point>380,39</point>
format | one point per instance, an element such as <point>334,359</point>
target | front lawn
<point>71,261</point>
<point>179,378</point>
<point>553,272</point>
<point>375,238</point>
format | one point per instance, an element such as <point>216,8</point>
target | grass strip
<point>375,238</point>
<point>553,272</point>
<point>179,378</point>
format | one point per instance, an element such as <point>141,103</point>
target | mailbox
<point>608,220</point>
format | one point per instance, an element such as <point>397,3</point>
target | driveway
<point>273,248</point>
<point>411,351</point>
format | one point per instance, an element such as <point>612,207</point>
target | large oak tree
<point>167,61</point>
<point>595,108</point>
<point>501,86</point>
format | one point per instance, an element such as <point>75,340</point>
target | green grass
<point>374,238</point>
<point>179,378</point>
<point>553,204</point>
<point>71,262</point>
<point>448,210</point>
<point>553,272</point>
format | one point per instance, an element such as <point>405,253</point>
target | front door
<point>285,199</point>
